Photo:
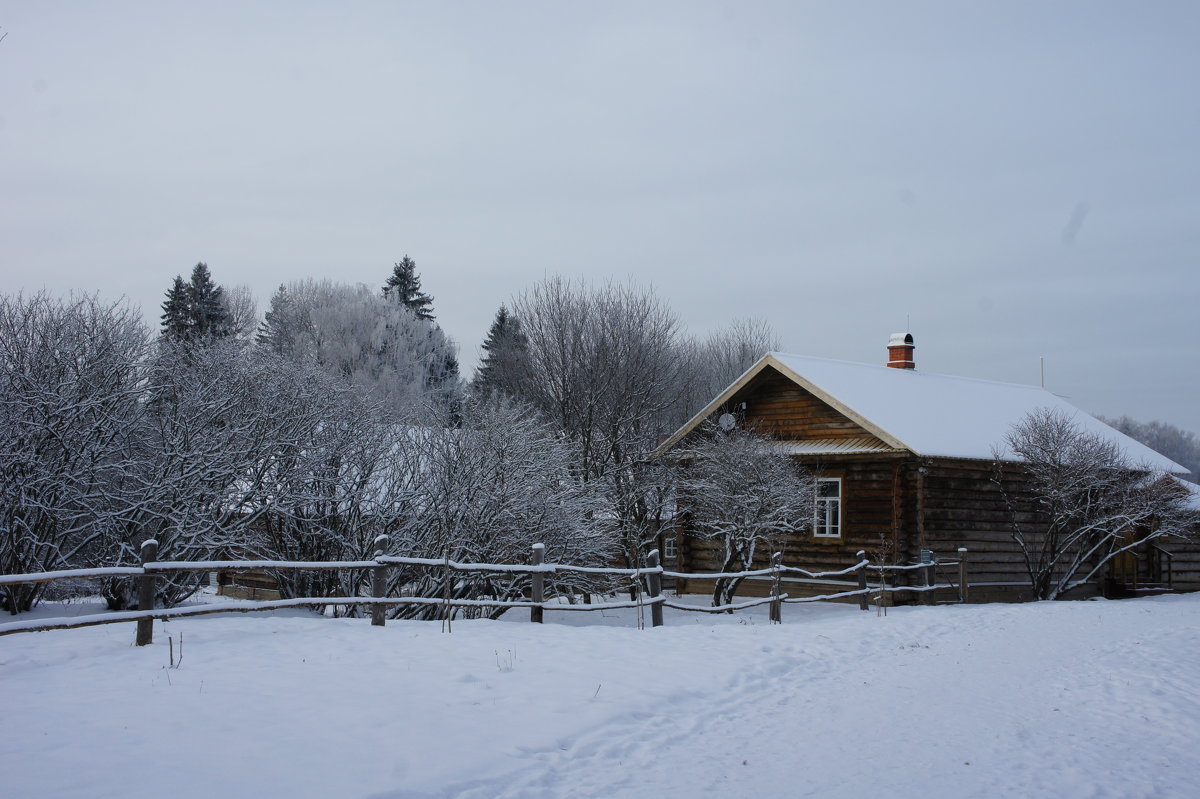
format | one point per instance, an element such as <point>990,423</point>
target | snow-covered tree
<point>404,285</point>
<point>199,472</point>
<point>1177,444</point>
<point>341,478</point>
<point>642,504</point>
<point>486,492</point>
<point>71,397</point>
<point>209,314</point>
<point>241,310</point>
<point>603,368</point>
<point>1077,502</point>
<point>742,489</point>
<point>374,342</point>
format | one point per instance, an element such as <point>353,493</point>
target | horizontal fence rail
<point>651,575</point>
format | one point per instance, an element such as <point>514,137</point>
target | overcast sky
<point>1017,179</point>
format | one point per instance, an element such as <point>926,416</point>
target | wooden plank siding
<point>776,406</point>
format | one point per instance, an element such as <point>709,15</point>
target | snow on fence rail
<point>653,573</point>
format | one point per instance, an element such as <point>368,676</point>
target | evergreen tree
<point>177,314</point>
<point>208,305</point>
<point>406,284</point>
<point>505,352</point>
<point>195,311</point>
<point>282,325</point>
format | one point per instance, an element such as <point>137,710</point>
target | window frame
<point>823,505</point>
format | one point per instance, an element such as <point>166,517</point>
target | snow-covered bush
<point>488,490</point>
<point>742,489</point>
<point>71,384</point>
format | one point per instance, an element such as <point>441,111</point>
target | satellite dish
<point>727,421</point>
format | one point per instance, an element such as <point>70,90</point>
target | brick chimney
<point>900,351</point>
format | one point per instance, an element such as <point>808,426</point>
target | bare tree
<point>487,491</point>
<point>712,363</point>
<point>71,383</point>
<point>643,498</point>
<point>742,489</point>
<point>1177,444</point>
<point>1078,502</point>
<point>602,366</point>
<point>202,471</point>
<point>341,479</point>
<point>242,311</point>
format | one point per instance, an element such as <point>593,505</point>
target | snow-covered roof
<point>927,414</point>
<point>1192,493</point>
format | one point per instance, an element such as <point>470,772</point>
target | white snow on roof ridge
<point>946,415</point>
<point>1192,492</point>
<point>782,356</point>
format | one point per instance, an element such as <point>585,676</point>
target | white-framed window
<point>828,521</point>
<point>670,552</point>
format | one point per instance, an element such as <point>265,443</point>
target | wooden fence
<point>148,573</point>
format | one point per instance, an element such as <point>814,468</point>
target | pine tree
<point>177,314</point>
<point>504,356</point>
<point>407,286</point>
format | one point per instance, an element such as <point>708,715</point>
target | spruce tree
<point>504,356</point>
<point>406,284</point>
<point>177,314</point>
<point>195,311</point>
<point>278,329</point>
<point>208,305</point>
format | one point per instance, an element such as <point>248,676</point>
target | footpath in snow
<point>1082,699</point>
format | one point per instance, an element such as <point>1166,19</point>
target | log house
<point>907,462</point>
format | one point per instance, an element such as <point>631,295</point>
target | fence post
<point>776,577</point>
<point>930,580</point>
<point>537,591</point>
<point>963,584</point>
<point>862,579</point>
<point>654,585</point>
<point>379,583</point>
<point>447,611</point>
<point>145,627</point>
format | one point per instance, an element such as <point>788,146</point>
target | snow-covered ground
<point>1084,699</point>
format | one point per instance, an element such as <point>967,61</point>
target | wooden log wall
<point>896,504</point>
<point>779,407</point>
<point>965,508</point>
<point>877,517</point>
<point>1185,561</point>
